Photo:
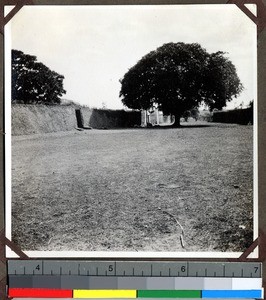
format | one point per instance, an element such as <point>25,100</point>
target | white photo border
<point>109,254</point>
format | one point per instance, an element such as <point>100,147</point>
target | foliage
<point>177,77</point>
<point>192,113</point>
<point>33,82</point>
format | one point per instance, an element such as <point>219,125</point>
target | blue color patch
<point>232,294</point>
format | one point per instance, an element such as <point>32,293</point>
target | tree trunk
<point>177,121</point>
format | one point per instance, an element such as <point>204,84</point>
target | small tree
<point>33,82</point>
<point>251,104</point>
<point>178,77</point>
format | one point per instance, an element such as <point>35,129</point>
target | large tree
<point>177,77</point>
<point>33,82</point>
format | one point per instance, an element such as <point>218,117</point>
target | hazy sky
<point>94,46</point>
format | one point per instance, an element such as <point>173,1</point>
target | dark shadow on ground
<point>182,126</point>
<point>175,127</point>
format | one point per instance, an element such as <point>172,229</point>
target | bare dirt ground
<point>130,190</point>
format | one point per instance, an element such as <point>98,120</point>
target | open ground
<point>133,189</point>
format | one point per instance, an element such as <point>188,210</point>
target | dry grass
<point>108,190</point>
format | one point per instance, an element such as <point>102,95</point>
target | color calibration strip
<point>133,294</point>
<point>131,287</point>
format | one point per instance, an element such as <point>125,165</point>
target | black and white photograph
<point>131,130</point>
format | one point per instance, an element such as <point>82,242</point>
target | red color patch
<point>39,293</point>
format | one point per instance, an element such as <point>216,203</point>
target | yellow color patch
<point>104,294</point>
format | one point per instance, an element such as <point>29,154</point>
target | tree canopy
<point>177,77</point>
<point>33,82</point>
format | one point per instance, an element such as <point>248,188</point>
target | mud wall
<point>103,118</point>
<point>237,116</point>
<point>32,119</point>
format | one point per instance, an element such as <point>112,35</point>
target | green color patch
<point>168,294</point>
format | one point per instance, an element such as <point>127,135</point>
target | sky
<point>94,46</point>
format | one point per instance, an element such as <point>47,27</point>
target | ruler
<point>131,279</point>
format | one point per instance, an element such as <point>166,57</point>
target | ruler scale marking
<point>42,267</point>
<point>256,273</point>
